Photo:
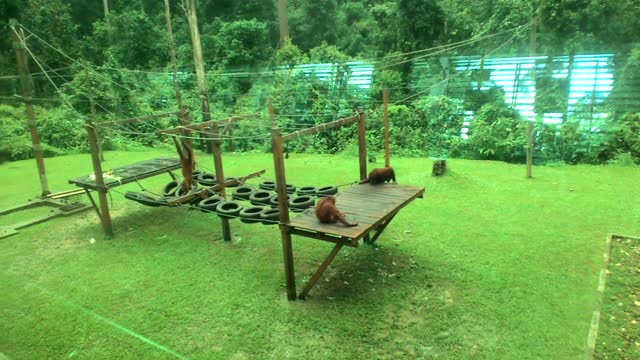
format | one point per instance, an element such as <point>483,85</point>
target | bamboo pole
<point>27,88</point>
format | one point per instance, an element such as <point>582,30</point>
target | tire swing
<point>229,209</point>
<point>307,190</point>
<point>270,216</point>
<point>260,197</point>
<point>207,179</point>
<point>267,185</point>
<point>242,192</point>
<point>171,188</point>
<point>251,215</point>
<point>301,203</point>
<point>326,191</point>
<point>209,204</point>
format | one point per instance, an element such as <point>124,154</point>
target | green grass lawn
<point>489,265</point>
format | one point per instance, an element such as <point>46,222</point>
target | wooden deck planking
<point>130,173</point>
<point>365,204</point>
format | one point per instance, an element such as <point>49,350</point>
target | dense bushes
<point>428,126</point>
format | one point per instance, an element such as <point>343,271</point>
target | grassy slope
<point>487,265</point>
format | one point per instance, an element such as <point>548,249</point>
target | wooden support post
<point>272,116</point>
<point>105,217</point>
<point>362,145</point>
<point>283,207</point>
<point>214,146</point>
<point>532,51</point>
<point>385,98</point>
<point>198,59</point>
<point>27,88</point>
<point>316,276</point>
<point>284,22</point>
<point>172,52</point>
<point>380,229</point>
<point>92,107</point>
<point>529,148</point>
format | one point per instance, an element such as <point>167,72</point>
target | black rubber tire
<point>251,215</point>
<point>242,192</point>
<point>291,189</point>
<point>180,192</point>
<point>274,200</point>
<point>307,190</point>
<point>207,179</point>
<point>229,209</point>
<point>196,173</point>
<point>326,191</point>
<point>267,185</point>
<point>171,188</point>
<point>260,197</point>
<point>301,203</point>
<point>270,216</point>
<point>145,199</point>
<point>209,204</point>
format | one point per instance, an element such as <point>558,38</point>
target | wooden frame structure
<point>353,202</point>
<point>138,171</point>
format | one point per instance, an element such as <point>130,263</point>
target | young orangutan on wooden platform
<point>187,164</point>
<point>380,176</point>
<point>327,212</point>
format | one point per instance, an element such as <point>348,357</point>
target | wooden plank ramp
<point>368,205</point>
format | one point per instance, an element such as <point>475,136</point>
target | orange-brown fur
<point>187,164</point>
<point>379,176</point>
<point>327,212</point>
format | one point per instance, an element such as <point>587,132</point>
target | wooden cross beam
<point>139,118</point>
<point>321,127</point>
<point>207,124</point>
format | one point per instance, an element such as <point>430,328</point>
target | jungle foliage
<point>246,65</point>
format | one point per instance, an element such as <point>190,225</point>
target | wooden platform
<point>130,173</point>
<point>368,205</point>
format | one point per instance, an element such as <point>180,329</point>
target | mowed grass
<point>489,265</point>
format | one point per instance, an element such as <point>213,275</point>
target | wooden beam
<point>323,237</point>
<point>362,146</point>
<point>139,118</point>
<point>321,127</point>
<point>316,276</point>
<point>206,124</point>
<point>283,207</point>
<point>385,99</point>
<point>105,217</point>
<point>27,88</point>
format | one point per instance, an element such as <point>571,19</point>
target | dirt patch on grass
<point>619,330</point>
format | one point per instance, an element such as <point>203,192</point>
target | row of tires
<point>233,209</point>
<point>246,192</point>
